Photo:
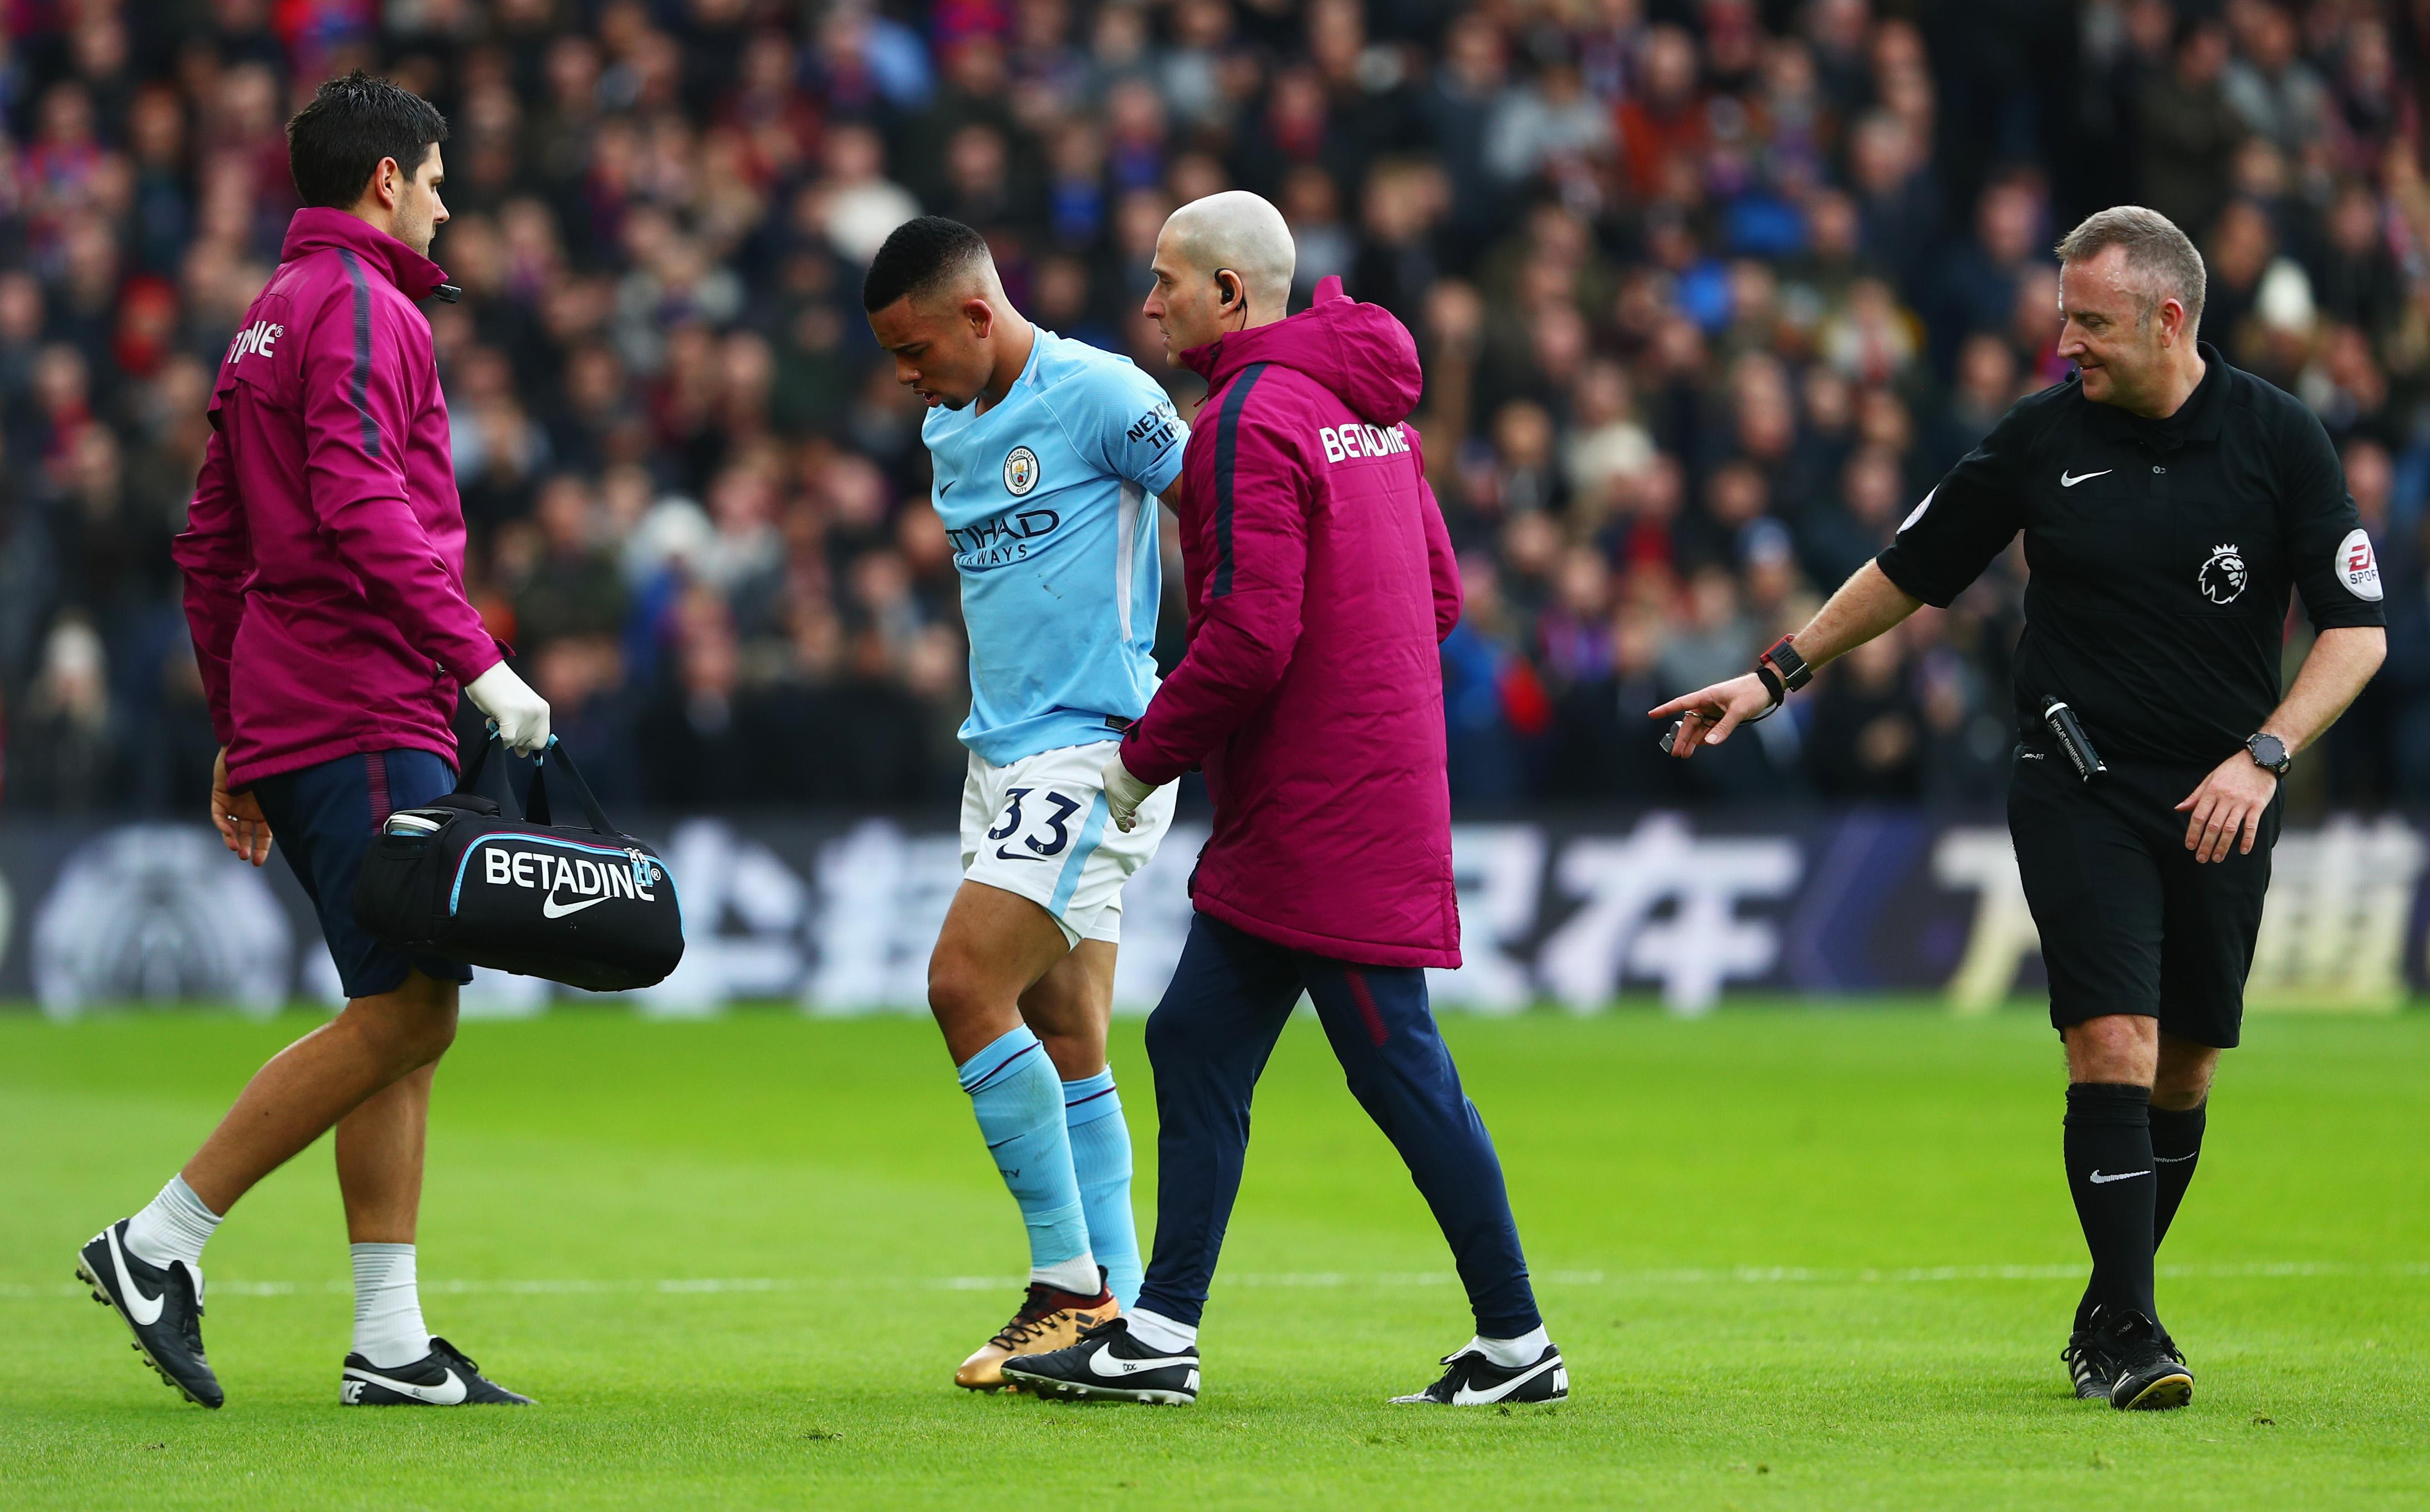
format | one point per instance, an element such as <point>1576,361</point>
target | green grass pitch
<point>1795,1258</point>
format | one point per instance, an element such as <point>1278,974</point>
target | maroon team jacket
<point>1320,579</point>
<point>323,552</point>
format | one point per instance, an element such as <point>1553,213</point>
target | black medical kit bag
<point>477,878</point>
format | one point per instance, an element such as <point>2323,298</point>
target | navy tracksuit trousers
<point>1208,1041</point>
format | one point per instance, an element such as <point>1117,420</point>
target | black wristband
<point>1771,683</point>
<point>1783,656</point>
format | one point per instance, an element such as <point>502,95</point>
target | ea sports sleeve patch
<point>2358,565</point>
<point>2327,551</point>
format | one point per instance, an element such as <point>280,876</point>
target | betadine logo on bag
<point>572,883</point>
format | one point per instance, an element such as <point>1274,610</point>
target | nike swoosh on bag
<point>144,1310</point>
<point>551,909</point>
<point>2100,1180</point>
<point>437,1396</point>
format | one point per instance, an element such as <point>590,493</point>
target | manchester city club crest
<point>2222,575</point>
<point>1021,471</point>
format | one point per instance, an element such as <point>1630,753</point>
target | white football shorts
<point>1038,828</point>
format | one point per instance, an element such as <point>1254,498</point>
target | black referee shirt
<point>2161,552</point>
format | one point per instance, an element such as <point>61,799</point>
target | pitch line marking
<point>1685,1276</point>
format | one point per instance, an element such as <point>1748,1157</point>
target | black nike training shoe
<point>2089,1364</point>
<point>445,1377</point>
<point>1474,1381</point>
<point>162,1305</point>
<point>1108,1365</point>
<point>2151,1374</point>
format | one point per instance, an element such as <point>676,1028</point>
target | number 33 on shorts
<point>1057,824</point>
<point>1038,828</point>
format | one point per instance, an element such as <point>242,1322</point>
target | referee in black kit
<point>2168,503</point>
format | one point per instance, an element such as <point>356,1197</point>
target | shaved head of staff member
<point>2170,505</point>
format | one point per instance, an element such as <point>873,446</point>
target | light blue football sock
<point>1101,1158</point>
<point>1019,1101</point>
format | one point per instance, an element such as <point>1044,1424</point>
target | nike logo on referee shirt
<point>2100,1180</point>
<point>2069,480</point>
<point>551,909</point>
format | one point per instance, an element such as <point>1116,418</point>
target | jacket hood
<point>317,230</point>
<point>1358,352</point>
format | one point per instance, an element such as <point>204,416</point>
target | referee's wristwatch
<point>1783,672</point>
<point>2271,751</point>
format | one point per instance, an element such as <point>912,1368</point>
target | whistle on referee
<point>1679,726</point>
<point>2072,739</point>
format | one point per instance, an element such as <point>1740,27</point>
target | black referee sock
<point>2177,1149</point>
<point>2110,1174</point>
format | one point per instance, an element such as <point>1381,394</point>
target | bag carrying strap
<point>492,783</point>
<point>499,791</point>
<point>554,755</point>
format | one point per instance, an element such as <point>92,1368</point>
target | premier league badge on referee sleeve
<point>2223,577</point>
<point>1021,471</point>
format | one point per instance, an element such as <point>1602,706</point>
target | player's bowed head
<point>936,304</point>
<point>1222,264</point>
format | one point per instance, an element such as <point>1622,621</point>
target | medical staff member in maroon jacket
<point>1320,579</point>
<point>323,558</point>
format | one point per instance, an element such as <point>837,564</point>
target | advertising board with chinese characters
<point>1575,911</point>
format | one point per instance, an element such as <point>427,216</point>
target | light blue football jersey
<point>1049,499</point>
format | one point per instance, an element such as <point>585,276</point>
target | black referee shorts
<point>2130,923</point>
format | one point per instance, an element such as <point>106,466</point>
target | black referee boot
<point>2152,1375</point>
<point>2090,1364</point>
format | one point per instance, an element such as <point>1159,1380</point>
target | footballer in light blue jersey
<point>1049,498</point>
<point>1048,456</point>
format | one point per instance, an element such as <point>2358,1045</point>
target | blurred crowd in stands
<point>1709,292</point>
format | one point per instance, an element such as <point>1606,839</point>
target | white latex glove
<point>521,715</point>
<point>1123,793</point>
